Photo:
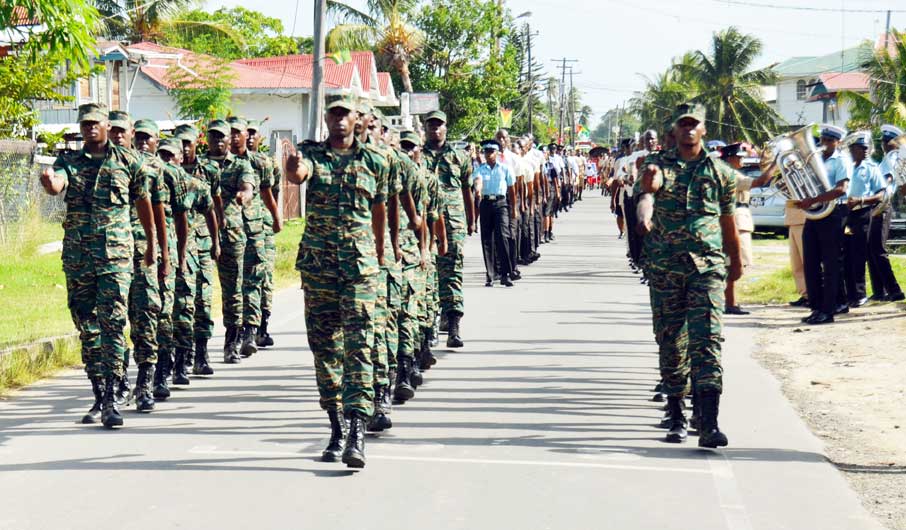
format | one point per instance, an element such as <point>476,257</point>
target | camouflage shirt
<point>687,210</point>
<point>157,192</point>
<point>203,171</point>
<point>193,196</point>
<point>98,195</point>
<point>454,174</point>
<point>394,187</point>
<point>264,171</point>
<point>342,188</point>
<point>413,182</point>
<point>231,173</point>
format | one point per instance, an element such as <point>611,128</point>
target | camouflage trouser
<point>241,269</point>
<point>450,265</point>
<point>144,312</point>
<point>687,307</point>
<point>428,299</point>
<point>165,322</point>
<point>98,305</point>
<point>184,305</point>
<point>204,291</point>
<point>409,325</point>
<point>339,317</point>
<point>267,284</point>
<point>379,359</point>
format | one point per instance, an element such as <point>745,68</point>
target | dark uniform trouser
<point>98,306</point>
<point>495,228</point>
<point>856,253</point>
<point>687,308</point>
<point>526,224</point>
<point>339,318</point>
<point>822,243</point>
<point>635,242</point>
<point>513,235</point>
<point>539,226</point>
<point>883,280</point>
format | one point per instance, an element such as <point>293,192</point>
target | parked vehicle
<point>767,204</point>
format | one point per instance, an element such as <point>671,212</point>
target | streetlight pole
<point>316,104</point>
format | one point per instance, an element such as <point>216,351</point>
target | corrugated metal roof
<point>848,60</point>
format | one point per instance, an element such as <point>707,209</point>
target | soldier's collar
<point>110,145</point>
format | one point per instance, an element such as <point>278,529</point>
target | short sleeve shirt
<point>494,180</point>
<point>866,180</point>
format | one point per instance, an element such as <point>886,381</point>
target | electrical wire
<point>760,5</point>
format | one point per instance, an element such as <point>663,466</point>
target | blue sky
<point>616,40</point>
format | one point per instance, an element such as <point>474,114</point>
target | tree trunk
<point>403,67</point>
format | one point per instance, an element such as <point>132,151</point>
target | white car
<point>767,204</point>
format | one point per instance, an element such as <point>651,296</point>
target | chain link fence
<point>21,194</point>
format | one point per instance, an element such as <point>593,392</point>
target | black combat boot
<point>380,420</point>
<point>123,389</point>
<point>354,453</point>
<point>453,339</point>
<point>709,435</point>
<point>334,450</point>
<point>231,346</point>
<point>387,398</point>
<point>696,420</point>
<point>678,432</point>
<point>180,374</point>
<point>415,375</point>
<point>426,358</point>
<point>110,415</point>
<point>403,391</point>
<point>161,376</point>
<point>444,323</point>
<point>202,363</point>
<point>433,332</point>
<point>144,399</point>
<point>94,413</point>
<point>263,338</point>
<point>249,347</point>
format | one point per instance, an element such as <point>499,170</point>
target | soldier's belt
<point>742,205</point>
<point>493,197</point>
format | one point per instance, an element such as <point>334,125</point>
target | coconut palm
<point>148,20</point>
<point>730,91</point>
<point>655,104</point>
<point>886,100</point>
<point>384,27</point>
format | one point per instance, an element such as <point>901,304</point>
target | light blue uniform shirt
<point>887,168</point>
<point>866,180</point>
<point>494,181</point>
<point>838,168</point>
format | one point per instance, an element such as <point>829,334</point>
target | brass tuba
<point>896,161</point>
<point>802,171</point>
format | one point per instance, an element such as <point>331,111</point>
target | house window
<point>801,89</point>
<point>85,90</point>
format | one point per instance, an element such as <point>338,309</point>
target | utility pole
<point>531,82</point>
<point>562,68</point>
<point>316,104</point>
<point>572,110</point>
<point>887,31</point>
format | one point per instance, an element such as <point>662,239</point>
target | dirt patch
<point>848,381</point>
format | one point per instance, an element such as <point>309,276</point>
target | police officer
<point>339,259</point>
<point>866,182</point>
<point>453,169</point>
<point>689,265</point>
<point>100,181</point>
<point>884,284</point>
<point>822,239</point>
<point>495,185</point>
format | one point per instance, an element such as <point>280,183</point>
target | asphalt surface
<point>543,421</point>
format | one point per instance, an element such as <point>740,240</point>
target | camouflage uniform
<point>427,298</point>
<point>204,276</point>
<point>453,169</point>
<point>255,265</point>
<point>98,247</point>
<point>270,246</point>
<point>338,265</point>
<point>171,178</point>
<point>687,268</point>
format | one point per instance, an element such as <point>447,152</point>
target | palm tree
<point>730,91</point>
<point>383,28</point>
<point>655,104</point>
<point>148,20</point>
<point>886,100</point>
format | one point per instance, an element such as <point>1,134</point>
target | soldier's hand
<point>397,254</point>
<point>150,257</point>
<point>643,227</point>
<point>243,197</point>
<point>278,225</point>
<point>442,248</point>
<point>215,252</point>
<point>164,268</point>
<point>47,178</point>
<point>651,179</point>
<point>183,267</point>
<point>416,223</point>
<point>734,271</point>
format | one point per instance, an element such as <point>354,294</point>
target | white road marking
<point>731,503</point>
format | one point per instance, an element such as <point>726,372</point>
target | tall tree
<point>149,20</point>
<point>385,28</point>
<point>885,102</point>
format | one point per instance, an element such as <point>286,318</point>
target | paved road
<point>542,421</point>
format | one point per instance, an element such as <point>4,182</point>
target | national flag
<point>506,118</point>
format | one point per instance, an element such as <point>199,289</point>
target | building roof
<point>848,60</point>
<point>829,85</point>
<point>385,84</point>
<point>20,17</point>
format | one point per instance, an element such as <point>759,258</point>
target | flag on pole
<point>506,118</point>
<point>582,133</point>
<point>340,57</point>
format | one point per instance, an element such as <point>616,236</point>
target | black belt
<point>742,205</point>
<point>493,197</point>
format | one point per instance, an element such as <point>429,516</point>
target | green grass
<point>25,366</point>
<point>285,273</point>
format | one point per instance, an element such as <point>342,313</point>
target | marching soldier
<point>688,267</point>
<point>100,182</point>
<point>339,259</point>
<point>453,169</point>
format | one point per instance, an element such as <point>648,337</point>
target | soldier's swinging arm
<point>160,226</point>
<point>378,225</point>
<point>181,219</point>
<point>210,219</point>
<point>146,218</point>
<point>731,246</point>
<point>270,202</point>
<point>295,171</point>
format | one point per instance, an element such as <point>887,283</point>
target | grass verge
<point>22,367</point>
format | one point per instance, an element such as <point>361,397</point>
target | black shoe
<point>426,358</point>
<point>709,435</point>
<point>202,363</point>
<point>444,323</point>
<point>658,387</point>
<point>489,283</point>
<point>334,450</point>
<point>858,303</point>
<point>453,339</point>
<point>896,297</point>
<point>736,310</point>
<point>144,398</point>
<point>516,276</point>
<point>431,333</point>
<point>231,346</point>
<point>821,318</point>
<point>696,420</point>
<point>809,317</point>
<point>123,390</point>
<point>878,298</point>
<point>802,302</point>
<point>658,397</point>
<point>678,425</point>
<point>666,420</point>
<point>415,375</point>
<point>110,415</point>
<point>249,347</point>
<point>354,454</point>
<point>263,338</point>
<point>403,390</point>
<point>180,374</point>
<point>380,420</point>
<point>841,309</point>
<point>94,413</point>
<point>506,282</point>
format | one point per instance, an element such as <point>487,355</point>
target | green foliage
<point>24,79</point>
<point>204,96</point>
<point>255,35</point>
<point>67,33</point>
<point>23,367</point>
<point>886,100</point>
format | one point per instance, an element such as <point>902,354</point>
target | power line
<point>807,8</point>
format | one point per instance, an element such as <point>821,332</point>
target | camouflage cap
<point>148,127</point>
<point>436,115</point>
<point>348,102</point>
<point>237,122</point>
<point>689,110</point>
<point>253,125</point>
<point>410,136</point>
<point>172,145</point>
<point>121,119</point>
<point>92,112</point>
<point>186,132</point>
<point>364,107</point>
<point>220,126</point>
